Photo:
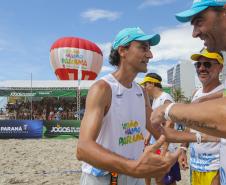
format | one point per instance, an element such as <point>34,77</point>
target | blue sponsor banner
<point>21,129</point>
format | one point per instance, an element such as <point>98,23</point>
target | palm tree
<point>178,95</point>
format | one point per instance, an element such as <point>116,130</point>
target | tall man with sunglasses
<point>208,18</point>
<point>205,157</point>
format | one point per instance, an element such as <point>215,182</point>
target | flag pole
<point>31,96</point>
<point>78,91</point>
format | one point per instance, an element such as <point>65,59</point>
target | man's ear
<point>224,10</point>
<point>122,51</point>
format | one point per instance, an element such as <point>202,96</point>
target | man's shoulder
<point>99,93</point>
<point>166,96</point>
<point>100,85</point>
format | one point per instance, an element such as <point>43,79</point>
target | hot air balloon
<point>68,54</point>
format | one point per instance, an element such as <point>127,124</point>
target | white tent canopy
<point>8,84</point>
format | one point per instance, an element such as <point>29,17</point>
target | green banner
<point>42,93</point>
<point>61,129</point>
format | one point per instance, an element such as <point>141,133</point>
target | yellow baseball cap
<point>149,79</point>
<point>209,55</point>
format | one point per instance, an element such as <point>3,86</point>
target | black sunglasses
<point>205,64</point>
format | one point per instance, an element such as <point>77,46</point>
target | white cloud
<point>105,48</point>
<point>160,69</point>
<point>96,14</point>
<point>155,3</point>
<point>106,69</point>
<point>176,44</point>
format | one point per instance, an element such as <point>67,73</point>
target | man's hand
<point>151,164</point>
<point>183,161</point>
<point>157,117</point>
<point>147,140</point>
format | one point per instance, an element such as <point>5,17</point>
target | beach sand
<point>43,162</point>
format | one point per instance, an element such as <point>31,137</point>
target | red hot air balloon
<point>68,53</point>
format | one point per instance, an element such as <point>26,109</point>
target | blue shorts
<point>173,175</point>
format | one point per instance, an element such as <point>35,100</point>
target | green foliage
<point>178,96</point>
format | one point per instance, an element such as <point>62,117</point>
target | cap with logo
<point>127,35</point>
<point>197,7</point>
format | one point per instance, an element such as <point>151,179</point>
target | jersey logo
<point>119,95</point>
<point>139,95</point>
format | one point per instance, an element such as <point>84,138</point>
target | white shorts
<point>87,179</point>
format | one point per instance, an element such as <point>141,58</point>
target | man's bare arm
<point>209,97</point>
<point>207,117</point>
<point>88,150</point>
<point>149,163</point>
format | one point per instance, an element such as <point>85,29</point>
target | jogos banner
<point>61,129</point>
<point>21,129</point>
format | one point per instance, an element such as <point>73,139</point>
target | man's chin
<point>144,71</point>
<point>212,49</point>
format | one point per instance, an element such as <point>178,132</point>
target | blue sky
<point>28,28</point>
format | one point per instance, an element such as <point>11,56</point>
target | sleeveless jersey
<point>155,104</point>
<point>124,126</point>
<point>205,157</point>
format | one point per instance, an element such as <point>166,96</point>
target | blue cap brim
<point>153,39</point>
<point>187,15</point>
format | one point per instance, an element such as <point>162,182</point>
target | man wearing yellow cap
<point>153,87</point>
<point>205,157</point>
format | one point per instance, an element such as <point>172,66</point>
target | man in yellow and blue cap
<point>153,87</point>
<point>208,66</point>
<point>205,157</point>
<point>111,139</point>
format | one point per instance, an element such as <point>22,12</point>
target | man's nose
<point>149,54</point>
<point>196,32</point>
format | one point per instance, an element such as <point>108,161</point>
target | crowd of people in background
<point>50,108</point>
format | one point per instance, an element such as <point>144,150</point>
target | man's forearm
<point>208,117</point>
<point>102,158</point>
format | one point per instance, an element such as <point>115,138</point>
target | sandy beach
<point>43,162</point>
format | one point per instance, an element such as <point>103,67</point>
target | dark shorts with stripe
<point>173,175</point>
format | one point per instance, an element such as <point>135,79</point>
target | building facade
<point>182,76</point>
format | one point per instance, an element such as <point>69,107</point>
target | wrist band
<point>166,115</point>
<point>198,138</point>
<point>184,148</point>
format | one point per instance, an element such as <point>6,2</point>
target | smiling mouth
<point>203,75</point>
<point>143,62</point>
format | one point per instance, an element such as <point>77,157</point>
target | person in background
<point>153,87</point>
<point>205,157</point>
